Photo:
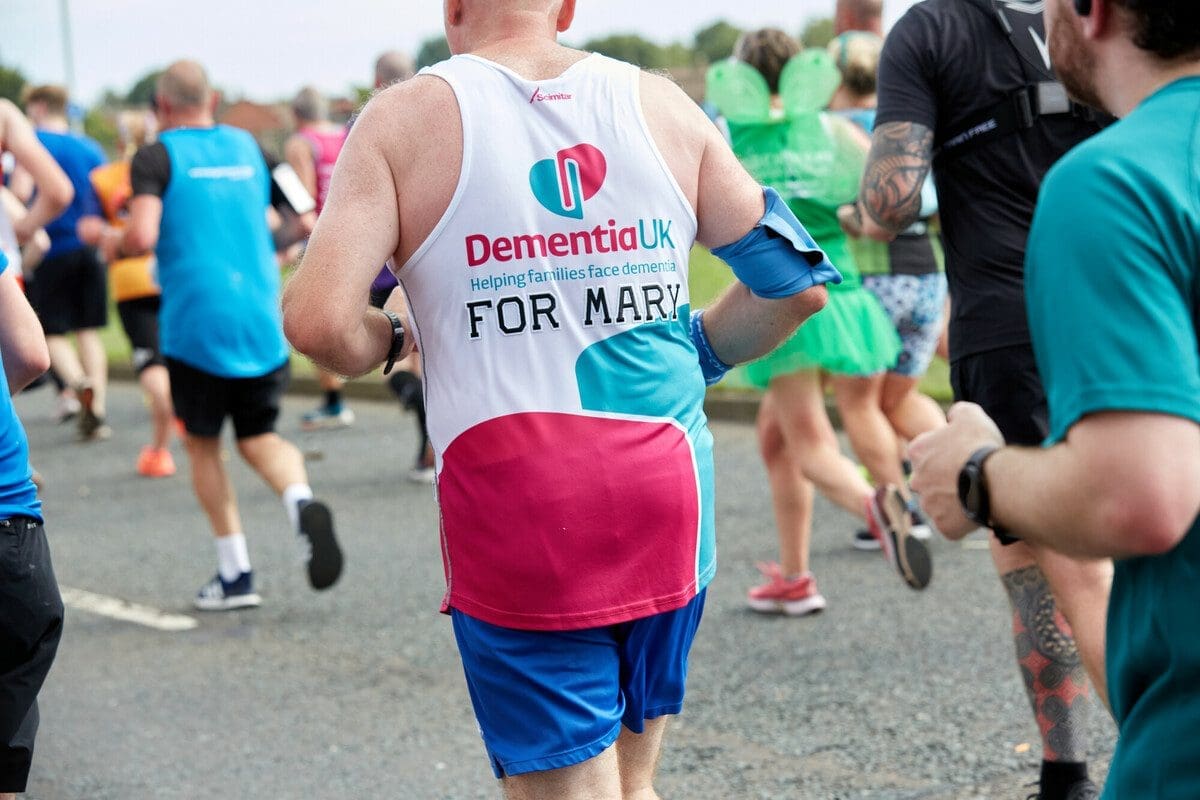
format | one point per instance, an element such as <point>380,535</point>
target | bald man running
<point>541,204</point>
<point>200,202</point>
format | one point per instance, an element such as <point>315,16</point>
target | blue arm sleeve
<point>778,258</point>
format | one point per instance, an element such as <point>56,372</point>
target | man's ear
<point>1097,22</point>
<point>566,15</point>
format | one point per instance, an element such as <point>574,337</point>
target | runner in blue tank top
<point>200,202</point>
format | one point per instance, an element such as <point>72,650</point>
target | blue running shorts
<point>549,699</point>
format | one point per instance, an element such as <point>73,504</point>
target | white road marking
<point>116,608</point>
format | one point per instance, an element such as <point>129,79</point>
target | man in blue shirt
<point>70,288</point>
<point>1113,296</point>
<point>200,201</point>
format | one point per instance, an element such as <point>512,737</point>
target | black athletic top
<point>944,63</point>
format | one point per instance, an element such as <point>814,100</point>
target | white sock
<point>293,496</point>
<point>232,557</point>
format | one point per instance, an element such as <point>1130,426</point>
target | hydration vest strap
<point>1020,110</point>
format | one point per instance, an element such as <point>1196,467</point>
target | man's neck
<point>56,124</point>
<point>1130,80</point>
<point>190,119</point>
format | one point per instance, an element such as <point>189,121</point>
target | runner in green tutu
<point>771,96</point>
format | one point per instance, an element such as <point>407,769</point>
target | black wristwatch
<point>397,340</point>
<point>973,490</point>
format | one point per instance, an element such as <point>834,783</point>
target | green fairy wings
<point>803,152</point>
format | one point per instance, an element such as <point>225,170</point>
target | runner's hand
<point>938,456</point>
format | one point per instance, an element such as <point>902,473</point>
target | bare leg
<point>811,438</point>
<point>329,382</point>
<point>871,436</point>
<point>212,485</point>
<point>1054,676</point>
<point>8,796</point>
<point>64,360</point>
<point>909,412</point>
<point>597,778</point>
<point>95,366</point>
<point>275,459</point>
<point>791,492</point>
<point>637,756</point>
<point>157,387</point>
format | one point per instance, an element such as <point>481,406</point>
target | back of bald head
<point>859,15</point>
<point>392,67</point>
<point>184,84</point>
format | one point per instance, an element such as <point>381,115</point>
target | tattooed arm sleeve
<point>890,196</point>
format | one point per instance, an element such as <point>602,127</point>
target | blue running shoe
<point>327,417</point>
<point>217,595</point>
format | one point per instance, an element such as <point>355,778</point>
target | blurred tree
<point>678,55</point>
<point>716,41</point>
<point>632,48</point>
<point>143,89</point>
<point>111,98</point>
<point>100,125</point>
<point>12,82</point>
<point>433,50</point>
<point>817,32</point>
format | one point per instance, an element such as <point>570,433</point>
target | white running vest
<point>564,395</point>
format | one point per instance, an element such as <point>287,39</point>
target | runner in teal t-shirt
<point>1112,308</point>
<point>1113,298</point>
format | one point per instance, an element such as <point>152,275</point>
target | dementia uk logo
<point>564,182</point>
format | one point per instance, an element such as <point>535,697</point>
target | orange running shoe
<point>154,463</point>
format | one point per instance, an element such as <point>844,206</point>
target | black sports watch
<point>973,490</point>
<point>397,340</point>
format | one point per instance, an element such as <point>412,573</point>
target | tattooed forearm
<point>891,188</point>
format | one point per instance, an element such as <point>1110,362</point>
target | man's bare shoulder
<point>417,103</point>
<point>661,93</point>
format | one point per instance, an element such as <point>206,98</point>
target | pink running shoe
<point>778,595</point>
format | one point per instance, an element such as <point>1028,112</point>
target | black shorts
<point>203,400</point>
<point>139,318</point>
<point>31,616</point>
<point>70,292</point>
<point>1007,385</point>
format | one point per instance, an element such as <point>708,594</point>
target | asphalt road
<point>357,692</point>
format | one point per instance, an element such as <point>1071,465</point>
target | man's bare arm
<point>889,199</point>
<point>325,311</point>
<point>22,344</point>
<point>729,203</point>
<point>299,155</point>
<point>1122,483</point>
<point>54,189</point>
<point>141,232</point>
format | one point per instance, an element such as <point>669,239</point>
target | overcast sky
<point>267,49</point>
